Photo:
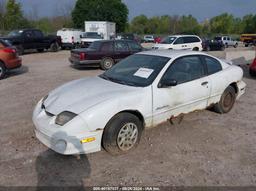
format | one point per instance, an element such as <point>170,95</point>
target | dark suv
<point>104,53</point>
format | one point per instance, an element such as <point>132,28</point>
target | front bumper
<point>241,89</point>
<point>67,139</point>
<point>14,63</point>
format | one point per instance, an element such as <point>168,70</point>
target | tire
<point>246,45</point>
<point>236,45</point>
<point>122,134</point>
<point>107,63</point>
<point>40,50</point>
<point>20,49</point>
<point>2,70</point>
<point>195,49</point>
<point>252,73</point>
<point>227,101</point>
<point>54,47</point>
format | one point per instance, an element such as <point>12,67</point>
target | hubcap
<point>1,71</point>
<point>108,64</point>
<point>127,137</point>
<point>228,100</point>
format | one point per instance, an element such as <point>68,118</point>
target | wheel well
<point>1,61</point>
<point>234,85</point>
<point>137,114</point>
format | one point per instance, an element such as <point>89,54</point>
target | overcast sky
<point>201,9</point>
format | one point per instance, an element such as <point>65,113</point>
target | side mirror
<point>165,83</point>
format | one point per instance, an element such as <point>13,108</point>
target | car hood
<point>80,95</point>
<point>162,46</point>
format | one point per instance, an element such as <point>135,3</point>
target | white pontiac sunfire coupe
<point>142,91</point>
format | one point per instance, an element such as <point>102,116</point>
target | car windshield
<point>217,38</point>
<point>95,45</point>
<point>15,33</point>
<point>168,40</point>
<point>91,35</point>
<point>137,70</point>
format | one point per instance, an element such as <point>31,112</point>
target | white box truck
<point>71,38</point>
<point>106,29</point>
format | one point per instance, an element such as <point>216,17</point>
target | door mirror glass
<point>165,83</point>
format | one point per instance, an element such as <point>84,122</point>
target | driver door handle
<point>204,83</point>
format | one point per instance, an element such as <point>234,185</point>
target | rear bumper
<point>84,62</point>
<point>14,63</point>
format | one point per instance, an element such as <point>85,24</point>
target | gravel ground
<point>206,149</point>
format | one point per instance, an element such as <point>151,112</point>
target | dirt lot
<point>206,149</point>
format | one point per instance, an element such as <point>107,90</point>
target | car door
<point>179,44</point>
<point>29,42</point>
<point>121,50</point>
<point>188,42</point>
<point>106,51</point>
<point>191,92</point>
<point>39,39</point>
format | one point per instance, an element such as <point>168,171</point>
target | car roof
<point>183,36</point>
<point>171,53</point>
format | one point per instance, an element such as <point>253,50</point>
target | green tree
<point>222,23</point>
<point>189,25</point>
<point>249,22</point>
<point>139,24</point>
<point>100,10</point>
<point>14,16</point>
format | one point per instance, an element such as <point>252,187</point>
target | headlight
<point>64,117</point>
<point>43,100</point>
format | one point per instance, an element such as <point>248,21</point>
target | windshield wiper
<point>117,80</point>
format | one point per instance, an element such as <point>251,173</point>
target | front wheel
<point>122,133</point>
<point>107,63</point>
<point>195,49</point>
<point>2,70</point>
<point>227,101</point>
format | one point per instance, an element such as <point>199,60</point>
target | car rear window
<point>213,65</point>
<point>5,43</point>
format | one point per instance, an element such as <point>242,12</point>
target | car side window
<point>28,34</point>
<point>185,69</point>
<point>121,46</point>
<point>134,46</point>
<point>225,38</point>
<point>107,47</point>
<point>213,65</point>
<point>179,41</point>
<point>38,34</point>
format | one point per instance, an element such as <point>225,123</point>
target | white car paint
<point>96,101</point>
<point>180,46</point>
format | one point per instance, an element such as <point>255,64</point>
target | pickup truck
<point>26,39</point>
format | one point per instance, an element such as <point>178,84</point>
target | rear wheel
<point>227,101</point>
<point>195,49</point>
<point>122,133</point>
<point>107,63</point>
<point>54,47</point>
<point>2,70</point>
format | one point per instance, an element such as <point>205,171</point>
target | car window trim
<point>206,67</point>
<point>195,55</point>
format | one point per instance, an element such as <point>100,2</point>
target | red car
<point>253,68</point>
<point>104,53</point>
<point>9,58</point>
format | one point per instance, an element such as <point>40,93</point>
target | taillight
<point>9,50</point>
<point>82,56</point>
<point>253,63</point>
